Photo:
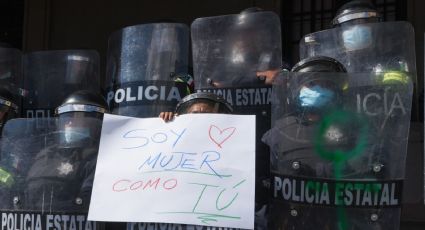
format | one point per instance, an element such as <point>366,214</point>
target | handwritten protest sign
<point>198,169</point>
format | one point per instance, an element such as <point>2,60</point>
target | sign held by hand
<point>198,169</point>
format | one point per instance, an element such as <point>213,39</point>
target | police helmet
<point>80,118</point>
<point>83,101</point>
<point>312,93</point>
<point>203,102</point>
<point>356,12</point>
<point>319,64</point>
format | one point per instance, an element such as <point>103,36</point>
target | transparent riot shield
<point>369,47</point>
<point>50,76</point>
<point>45,180</point>
<point>338,149</point>
<point>237,57</point>
<point>235,50</point>
<point>143,62</point>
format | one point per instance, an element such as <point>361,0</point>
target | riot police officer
<point>51,76</point>
<point>8,110</point>
<point>10,96</point>
<point>62,173</point>
<point>363,43</point>
<point>301,99</point>
<point>147,69</point>
<point>236,56</point>
<point>337,129</point>
<point>310,95</point>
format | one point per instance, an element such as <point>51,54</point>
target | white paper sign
<point>198,169</point>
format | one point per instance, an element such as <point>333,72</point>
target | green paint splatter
<point>339,157</point>
<point>340,117</point>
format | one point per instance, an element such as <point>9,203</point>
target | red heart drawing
<point>221,136</point>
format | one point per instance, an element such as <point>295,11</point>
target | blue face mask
<point>75,135</point>
<point>315,96</point>
<point>357,37</point>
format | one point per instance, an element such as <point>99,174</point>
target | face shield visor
<point>80,125</point>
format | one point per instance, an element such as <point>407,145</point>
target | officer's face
<point>315,98</point>
<point>201,107</point>
<point>75,127</point>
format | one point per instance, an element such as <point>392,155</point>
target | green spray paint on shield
<point>345,120</point>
